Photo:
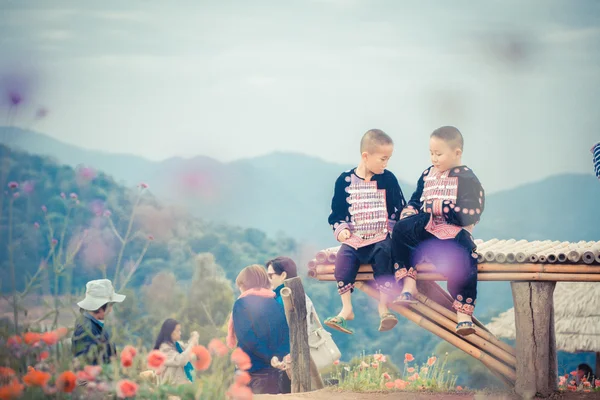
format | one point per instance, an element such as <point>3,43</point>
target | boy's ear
<point>458,152</point>
<point>284,275</point>
<point>364,155</point>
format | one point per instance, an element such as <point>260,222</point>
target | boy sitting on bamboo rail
<point>366,204</point>
<point>436,224</point>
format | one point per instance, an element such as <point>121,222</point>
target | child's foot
<point>465,328</point>
<point>405,298</point>
<point>339,323</point>
<point>348,316</point>
<point>388,321</point>
<point>465,324</point>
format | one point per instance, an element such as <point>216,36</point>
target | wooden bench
<point>533,268</point>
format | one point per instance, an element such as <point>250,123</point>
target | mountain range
<point>291,192</point>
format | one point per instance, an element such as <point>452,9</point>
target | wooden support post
<point>537,364</point>
<point>294,301</point>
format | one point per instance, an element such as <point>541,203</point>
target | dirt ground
<point>329,394</point>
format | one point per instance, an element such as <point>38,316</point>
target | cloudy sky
<point>237,79</point>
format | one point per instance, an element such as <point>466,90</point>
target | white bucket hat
<point>98,293</point>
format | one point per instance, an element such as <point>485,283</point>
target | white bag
<point>323,349</point>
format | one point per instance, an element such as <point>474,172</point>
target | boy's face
<point>377,160</point>
<point>275,278</point>
<point>443,155</point>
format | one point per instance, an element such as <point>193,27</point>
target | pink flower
<point>400,384</point>
<point>107,213</point>
<point>386,376</point>
<point>92,370</point>
<point>143,185</point>
<point>28,187</point>
<point>150,237</point>
<point>126,389</point>
<point>15,98</point>
<point>63,195</point>
<point>13,185</point>
<point>44,209</point>
<point>54,242</point>
<point>36,225</point>
<point>336,362</point>
<point>410,370</point>
<point>16,195</point>
<point>413,377</point>
<point>86,173</point>
<point>41,113</point>
<point>73,196</point>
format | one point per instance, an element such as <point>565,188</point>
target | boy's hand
<point>407,214</point>
<point>343,236</point>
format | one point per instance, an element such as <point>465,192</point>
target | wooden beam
<point>537,366</point>
<point>294,301</point>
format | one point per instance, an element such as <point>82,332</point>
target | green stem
<point>31,281</point>
<point>135,266</point>
<point>62,234</point>
<point>12,267</point>
<point>126,240</point>
<point>56,276</point>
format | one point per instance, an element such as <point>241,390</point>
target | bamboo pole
<point>476,340</point>
<point>490,254</point>
<point>489,267</point>
<point>294,303</point>
<point>523,254</point>
<point>322,256</point>
<point>510,253</point>
<point>550,254</point>
<point>500,253</point>
<point>479,331</point>
<point>574,254</point>
<point>490,277</point>
<point>451,338</point>
<point>534,257</point>
<point>590,256</point>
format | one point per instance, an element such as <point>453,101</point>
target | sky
<point>239,79</point>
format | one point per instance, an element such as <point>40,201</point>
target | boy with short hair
<point>366,204</point>
<point>448,202</point>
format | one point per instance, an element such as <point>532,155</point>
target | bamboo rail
<point>459,342</point>
<point>511,251</point>
<point>485,267</point>
<point>479,331</point>
<point>489,277</point>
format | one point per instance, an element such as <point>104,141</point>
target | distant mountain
<point>279,192</point>
<point>291,193</point>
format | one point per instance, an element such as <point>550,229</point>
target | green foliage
<point>106,230</point>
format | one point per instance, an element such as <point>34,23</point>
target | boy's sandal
<point>388,321</point>
<point>339,324</point>
<point>405,298</point>
<point>465,328</point>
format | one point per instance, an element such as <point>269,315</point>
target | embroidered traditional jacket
<point>369,209</point>
<point>454,198</point>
